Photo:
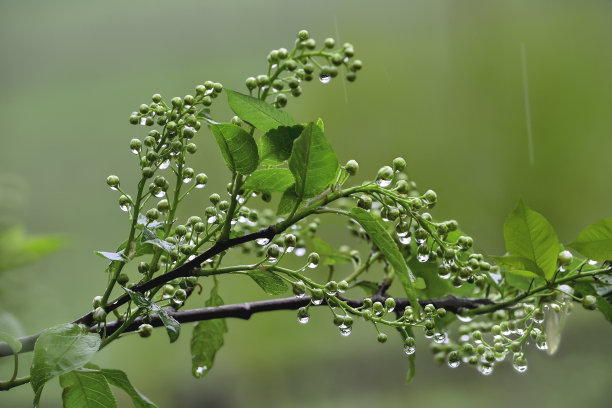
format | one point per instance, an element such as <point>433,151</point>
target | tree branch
<point>246,310</point>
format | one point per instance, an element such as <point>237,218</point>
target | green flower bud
<point>303,35</point>
<point>589,302</point>
<point>364,202</point>
<point>313,260</point>
<point>176,102</point>
<point>390,304</point>
<point>113,182</point>
<point>351,167</point>
<point>201,179</point>
<point>565,258</point>
<point>99,315</point>
<point>273,251</point>
<point>262,80</point>
<point>145,330</point>
<point>343,286</point>
<point>430,197</point>
<point>251,83</point>
<point>382,338</point>
<point>97,302</point>
<point>399,164</point>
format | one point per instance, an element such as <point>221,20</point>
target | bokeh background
<point>442,85</point>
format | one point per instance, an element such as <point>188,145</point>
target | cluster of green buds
<point>287,69</point>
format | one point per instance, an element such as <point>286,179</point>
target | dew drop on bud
<point>324,78</point>
<point>262,241</point>
<point>160,194</point>
<point>383,183</point>
<point>165,164</point>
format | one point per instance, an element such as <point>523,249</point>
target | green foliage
<point>207,339</point>
<point>595,241</point>
<point>60,350</point>
<point>16,249</point>
<point>445,280</point>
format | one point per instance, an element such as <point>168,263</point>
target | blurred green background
<point>442,85</point>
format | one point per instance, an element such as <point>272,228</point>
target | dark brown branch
<point>246,310</point>
<point>184,270</point>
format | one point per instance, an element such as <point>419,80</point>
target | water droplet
<point>422,257</point>
<point>303,319</point>
<point>200,185</point>
<point>464,318</point>
<point>300,251</point>
<point>212,220</point>
<point>383,183</point>
<point>405,240</point>
<point>409,349</point>
<point>242,219</point>
<point>113,188</point>
<point>143,121</point>
<point>191,257</point>
<point>521,368</point>
<point>592,262</point>
<point>262,241</point>
<point>160,194</point>
<point>313,265</point>
<point>200,371</point>
<point>186,179</point>
<point>290,249</point>
<point>124,207</point>
<point>165,164</point>
<point>240,199</point>
<point>273,260</point>
<point>541,344</point>
<point>345,331</point>
<point>324,78</point>
<point>485,368</point>
<point>274,66</point>
<point>135,151</point>
<point>440,338</point>
<point>316,302</point>
<point>454,363</point>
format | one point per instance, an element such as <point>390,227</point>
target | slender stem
<point>7,385</point>
<point>232,208</point>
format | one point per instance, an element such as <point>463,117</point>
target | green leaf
<point>238,148</point>
<point>288,201</point>
<point>523,282</point>
<point>313,162</point>
<point>270,282</point>
<point>12,342</point>
<point>207,339</point>
<point>528,234</point>
<point>595,241</point>
<point>330,254</point>
<point>16,249</point>
<point>113,256</point>
<point>149,237</point>
<point>389,249</point>
<point>270,180</point>
<point>86,389</point>
<point>59,350</point>
<point>368,287</point>
<point>428,271</point>
<point>519,265</point>
<point>258,113</point>
<point>604,307</point>
<point>119,379</point>
<point>172,326</point>
<point>276,145</point>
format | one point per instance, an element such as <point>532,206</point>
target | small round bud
<point>390,304</point>
<point>382,338</point>
<point>589,302</point>
<point>251,83</point>
<point>153,214</point>
<point>281,100</point>
<point>303,35</point>
<point>289,241</point>
<point>145,330</point>
<point>262,80</point>
<point>343,286</point>
<point>176,102</point>
<point>364,202</point>
<point>299,289</point>
<point>430,196</point>
<point>441,312</point>
<point>123,279</point>
<point>189,99</point>
<point>385,173</point>
<point>180,295</point>
<point>134,120</point>
<point>352,167</point>
<point>135,145</point>
<point>97,302</point>
<point>99,314</point>
<point>313,259</point>
<point>330,43</point>
<point>331,287</point>
<point>273,251</point>
<point>565,258</point>
<point>112,181</point>
<point>191,148</point>
<point>399,164</point>
<point>201,179</point>
<point>156,98</point>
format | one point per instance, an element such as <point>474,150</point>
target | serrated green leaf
<point>59,350</point>
<point>12,342</point>
<point>269,180</point>
<point>86,389</point>
<point>238,148</point>
<point>258,113</point>
<point>173,328</point>
<point>313,162</point>
<point>275,146</point>
<point>330,254</point>
<point>289,200</point>
<point>17,249</point>
<point>528,234</point>
<point>207,339</point>
<point>519,265</point>
<point>270,282</point>
<point>595,241</point>
<point>119,379</point>
<point>389,249</point>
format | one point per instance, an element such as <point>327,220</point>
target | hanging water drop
<point>440,338</point>
<point>324,78</point>
<point>212,220</point>
<point>300,251</point>
<point>383,183</point>
<point>262,241</point>
<point>165,165</point>
<point>160,193</point>
<point>186,179</point>
<point>201,371</point>
<point>485,368</point>
<point>405,240</point>
<point>345,331</point>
